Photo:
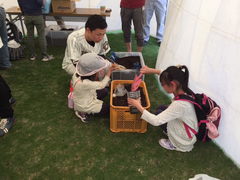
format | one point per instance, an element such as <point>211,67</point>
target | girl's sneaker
<point>47,58</point>
<point>83,116</point>
<point>166,143</point>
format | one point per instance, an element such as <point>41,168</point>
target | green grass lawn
<point>49,142</point>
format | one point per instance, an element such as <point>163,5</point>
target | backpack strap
<point>205,98</point>
<point>76,83</point>
<point>188,128</point>
<point>72,87</point>
<point>203,121</point>
<point>218,120</point>
<point>184,97</point>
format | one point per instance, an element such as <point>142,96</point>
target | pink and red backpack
<point>208,115</point>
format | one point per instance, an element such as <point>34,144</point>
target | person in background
<point>6,111</point>
<point>89,84</point>
<point>58,19</point>
<point>132,11</point>
<point>91,39</point>
<point>4,53</point>
<point>160,8</point>
<point>32,12</point>
<point>171,118</point>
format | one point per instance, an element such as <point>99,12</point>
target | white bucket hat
<point>90,64</point>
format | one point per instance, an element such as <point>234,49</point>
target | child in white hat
<point>89,82</point>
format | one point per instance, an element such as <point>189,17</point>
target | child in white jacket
<point>170,119</point>
<point>89,84</point>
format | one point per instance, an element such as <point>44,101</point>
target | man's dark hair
<point>95,22</point>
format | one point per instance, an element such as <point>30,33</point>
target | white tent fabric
<point>204,35</point>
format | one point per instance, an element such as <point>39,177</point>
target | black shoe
<point>159,43</point>
<point>145,43</point>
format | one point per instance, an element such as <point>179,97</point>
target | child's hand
<point>145,70</point>
<point>134,102</point>
<point>113,67</point>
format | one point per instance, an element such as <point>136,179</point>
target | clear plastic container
<point>128,74</point>
<point>56,36</point>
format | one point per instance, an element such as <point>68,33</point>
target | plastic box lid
<point>58,28</point>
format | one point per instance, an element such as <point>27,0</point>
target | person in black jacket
<point>6,111</point>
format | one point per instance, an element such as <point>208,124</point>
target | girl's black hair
<point>91,78</point>
<point>178,74</point>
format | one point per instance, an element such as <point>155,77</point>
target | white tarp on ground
<point>205,36</point>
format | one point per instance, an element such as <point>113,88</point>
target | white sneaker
<point>166,143</point>
<point>83,116</point>
<point>47,58</point>
<point>3,129</point>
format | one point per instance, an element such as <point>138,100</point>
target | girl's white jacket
<point>85,96</point>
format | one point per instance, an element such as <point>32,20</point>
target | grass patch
<point>49,142</point>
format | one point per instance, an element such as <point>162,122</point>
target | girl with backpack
<point>89,82</point>
<point>172,118</point>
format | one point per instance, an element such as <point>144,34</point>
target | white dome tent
<point>205,36</point>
